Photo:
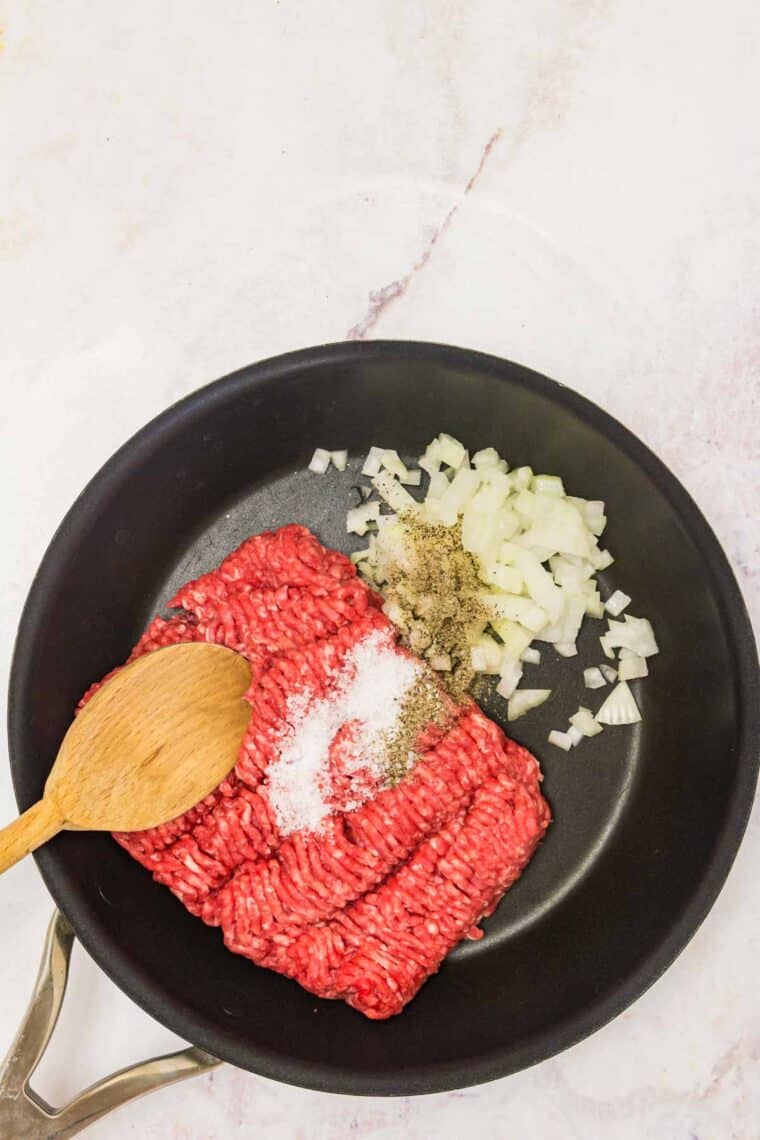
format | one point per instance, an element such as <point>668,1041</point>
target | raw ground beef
<point>366,908</point>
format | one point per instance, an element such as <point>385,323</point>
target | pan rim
<point>425,1078</point>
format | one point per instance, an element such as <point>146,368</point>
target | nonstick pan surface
<point>646,820</point>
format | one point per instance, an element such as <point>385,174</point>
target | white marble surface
<point>574,184</point>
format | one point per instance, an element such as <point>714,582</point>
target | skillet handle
<point>23,1114</point>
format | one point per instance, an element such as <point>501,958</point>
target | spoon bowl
<point>151,743</point>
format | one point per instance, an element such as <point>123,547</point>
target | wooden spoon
<point>156,739</point>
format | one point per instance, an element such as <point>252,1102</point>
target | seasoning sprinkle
<point>379,705</point>
<point>434,599</point>
<point>425,713</point>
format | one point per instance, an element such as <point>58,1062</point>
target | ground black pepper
<point>436,595</point>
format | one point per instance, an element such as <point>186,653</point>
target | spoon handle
<point>38,824</point>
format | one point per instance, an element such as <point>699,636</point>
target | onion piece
<point>320,461</point>
<point>397,498</point>
<point>523,700</point>
<point>451,451</point>
<point>431,456</point>
<point>373,462</point>
<point>594,516</point>
<point>456,496</point>
<point>413,477</point>
<point>562,740</point>
<point>566,628</point>
<point>538,581</point>
<point>531,656</point>
<point>339,460</point>
<point>594,604</point>
<point>566,648</point>
<point>609,672</point>
<point>515,637</point>
<point>620,707</point>
<point>548,485</point>
<point>441,662</point>
<point>484,530</point>
<point>574,735</point>
<point>515,608</point>
<point>569,571</point>
<point>358,519</point>
<point>487,457</point>
<point>632,633</point>
<point>508,579</point>
<point>486,655</point>
<point>593,679</point>
<point>616,603</point>
<point>521,478</point>
<point>438,484</point>
<point>601,559</point>
<point>511,675</point>
<point>632,666</point>
<point>586,723</point>
<point>391,462</point>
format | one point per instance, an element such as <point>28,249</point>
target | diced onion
<point>486,655</point>
<point>511,675</point>
<point>570,572</point>
<point>395,613</point>
<point>515,608</point>
<point>632,633</point>
<point>593,513</point>
<point>536,551</point>
<point>585,721</point>
<point>374,461</point>
<point>632,666</point>
<point>620,707</point>
<point>565,629</point>
<point>320,461</point>
<point>390,461</point>
<point>548,485</point>
<point>501,577</point>
<point>339,460</point>
<point>488,457</point>
<point>616,603</point>
<point>523,700</point>
<point>593,679</point>
<point>460,490</point>
<point>562,740</point>
<point>594,604</point>
<point>451,451</point>
<point>413,478</point>
<point>515,637</point>
<point>601,559</point>
<point>438,484</point>
<point>538,581</point>
<point>521,478</point>
<point>397,498</point>
<point>358,519</point>
<point>431,461</point>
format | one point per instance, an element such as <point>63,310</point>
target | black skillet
<point>646,821</point>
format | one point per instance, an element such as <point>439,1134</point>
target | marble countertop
<point>574,184</point>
